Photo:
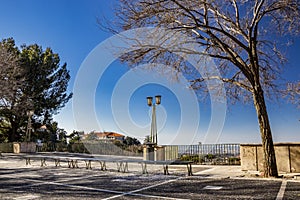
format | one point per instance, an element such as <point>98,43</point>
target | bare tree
<point>293,93</point>
<point>242,36</point>
<point>12,101</point>
<point>9,72</point>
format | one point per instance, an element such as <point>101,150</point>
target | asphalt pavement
<point>21,182</point>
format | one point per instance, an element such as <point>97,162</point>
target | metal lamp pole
<point>153,135</point>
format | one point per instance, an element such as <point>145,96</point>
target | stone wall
<point>287,157</point>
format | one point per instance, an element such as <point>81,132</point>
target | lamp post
<point>29,127</point>
<point>153,135</point>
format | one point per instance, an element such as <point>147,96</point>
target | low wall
<point>6,147</point>
<point>287,157</point>
<point>160,153</point>
<point>27,147</point>
<point>16,147</point>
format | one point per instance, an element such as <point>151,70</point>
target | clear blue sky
<point>70,28</point>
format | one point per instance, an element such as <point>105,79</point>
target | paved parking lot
<point>21,182</point>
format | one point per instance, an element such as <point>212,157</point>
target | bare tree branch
<point>241,36</point>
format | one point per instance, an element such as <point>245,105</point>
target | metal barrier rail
<point>122,164</point>
<point>205,153</point>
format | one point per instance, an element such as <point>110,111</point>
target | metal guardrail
<point>206,153</point>
<point>200,153</point>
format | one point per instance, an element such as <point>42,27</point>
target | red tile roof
<point>108,134</point>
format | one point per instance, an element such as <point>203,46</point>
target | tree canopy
<point>32,79</point>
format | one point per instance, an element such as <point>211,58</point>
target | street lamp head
<point>157,99</point>
<point>149,101</point>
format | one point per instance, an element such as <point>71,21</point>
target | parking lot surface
<point>21,182</point>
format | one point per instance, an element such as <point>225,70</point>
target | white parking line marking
<point>209,187</point>
<point>145,188</point>
<point>39,182</point>
<point>282,190</point>
<point>118,193</point>
<point>27,197</point>
<point>204,171</point>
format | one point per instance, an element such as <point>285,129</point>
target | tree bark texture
<point>270,167</point>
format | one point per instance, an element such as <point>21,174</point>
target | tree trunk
<point>270,167</point>
<point>12,137</point>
